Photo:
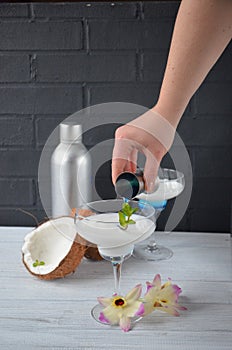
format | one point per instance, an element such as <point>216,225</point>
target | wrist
<point>172,113</point>
<point>157,126</point>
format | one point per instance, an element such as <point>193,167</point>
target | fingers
<point>129,139</point>
<point>125,152</point>
<point>127,163</point>
<point>118,166</point>
<point>121,155</point>
<point>150,171</point>
<point>131,164</point>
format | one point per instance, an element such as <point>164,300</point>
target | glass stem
<point>117,267</point>
<point>152,245</point>
<point>152,242</point>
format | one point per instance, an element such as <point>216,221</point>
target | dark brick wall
<point>58,58</point>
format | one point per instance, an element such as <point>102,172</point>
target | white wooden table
<point>38,314</point>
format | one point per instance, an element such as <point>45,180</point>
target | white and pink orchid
<point>162,297</point>
<point>120,310</point>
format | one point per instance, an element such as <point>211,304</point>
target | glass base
<point>152,252</point>
<point>97,309</point>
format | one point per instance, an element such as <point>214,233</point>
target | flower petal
<point>104,301</point>
<point>103,319</point>
<point>152,291</point>
<point>111,314</point>
<point>125,323</point>
<point>177,290</point>
<point>166,284</point>
<point>149,286</point>
<point>134,294</point>
<point>179,307</point>
<point>157,280</point>
<point>132,309</point>
<point>148,308</point>
<point>171,296</point>
<point>170,310</point>
<point>140,311</point>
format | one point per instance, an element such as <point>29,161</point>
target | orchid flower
<point>162,297</point>
<point>120,310</point>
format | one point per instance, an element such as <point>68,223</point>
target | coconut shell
<point>67,265</point>
<point>79,248</point>
<point>85,212</point>
<point>91,252</point>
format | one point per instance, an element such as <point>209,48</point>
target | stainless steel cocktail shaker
<point>129,185</point>
<point>70,171</point>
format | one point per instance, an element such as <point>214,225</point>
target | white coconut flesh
<point>49,243</point>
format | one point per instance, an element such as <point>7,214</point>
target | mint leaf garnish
<point>38,263</point>
<point>122,219</point>
<point>126,209</point>
<point>131,221</point>
<point>35,264</point>
<point>125,214</point>
<point>134,210</point>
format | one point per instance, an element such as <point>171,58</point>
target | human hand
<point>150,134</point>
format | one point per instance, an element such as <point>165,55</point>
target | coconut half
<point>55,246</point>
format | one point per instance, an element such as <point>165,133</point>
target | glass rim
<point>87,206</point>
<point>179,174</point>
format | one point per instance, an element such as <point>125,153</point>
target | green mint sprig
<point>125,215</point>
<point>38,263</point>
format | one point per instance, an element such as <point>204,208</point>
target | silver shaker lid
<point>70,133</point>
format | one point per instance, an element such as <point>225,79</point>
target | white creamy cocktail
<point>167,189</point>
<point>104,230</point>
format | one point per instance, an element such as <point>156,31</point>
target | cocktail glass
<point>171,185</point>
<point>115,243</point>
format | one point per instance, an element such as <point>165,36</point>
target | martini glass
<point>171,184</point>
<point>115,244</point>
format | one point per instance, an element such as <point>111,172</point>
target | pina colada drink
<point>104,230</point>
<point>167,189</point>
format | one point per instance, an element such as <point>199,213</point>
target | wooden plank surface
<point>37,314</point>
